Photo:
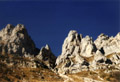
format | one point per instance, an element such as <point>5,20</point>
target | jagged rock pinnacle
<point>47,57</point>
<point>82,54</point>
<point>16,41</point>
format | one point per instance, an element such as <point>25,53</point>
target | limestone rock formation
<point>81,59</point>
<point>108,44</point>
<point>88,47</point>
<point>15,40</point>
<point>47,57</point>
<point>74,51</point>
<point>20,60</point>
<point>83,54</point>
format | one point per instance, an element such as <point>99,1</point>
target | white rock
<point>82,54</point>
<point>16,39</point>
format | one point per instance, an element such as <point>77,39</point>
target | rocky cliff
<point>15,40</point>
<point>20,60</point>
<point>83,54</point>
<point>85,60</point>
<point>47,57</point>
<point>82,59</point>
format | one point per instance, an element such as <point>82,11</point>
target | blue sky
<point>49,21</point>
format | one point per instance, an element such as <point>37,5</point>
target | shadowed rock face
<point>47,57</point>
<point>82,53</point>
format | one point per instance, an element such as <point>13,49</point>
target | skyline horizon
<point>63,39</point>
<point>50,21</point>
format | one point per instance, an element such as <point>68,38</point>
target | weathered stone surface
<point>101,40</point>
<point>87,47</point>
<point>74,49</point>
<point>47,57</point>
<point>79,54</point>
<point>82,53</point>
<point>15,40</point>
<point>109,44</point>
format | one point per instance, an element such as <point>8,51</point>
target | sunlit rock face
<point>82,53</point>
<point>15,40</point>
<point>85,59</point>
<point>74,49</point>
<point>108,44</point>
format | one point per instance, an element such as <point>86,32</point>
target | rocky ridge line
<point>16,41</point>
<point>79,54</point>
<point>83,54</point>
